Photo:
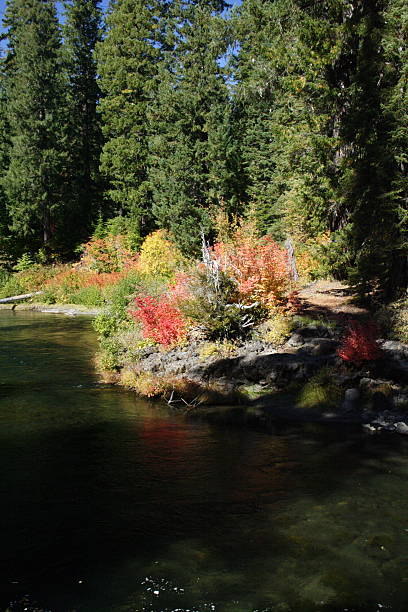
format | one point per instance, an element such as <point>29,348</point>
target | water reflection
<point>111,504</point>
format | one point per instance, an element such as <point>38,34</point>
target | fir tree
<point>34,92</point>
<point>189,123</point>
<point>127,65</point>
<point>82,31</point>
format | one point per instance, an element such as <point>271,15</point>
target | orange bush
<point>109,254</point>
<point>259,266</point>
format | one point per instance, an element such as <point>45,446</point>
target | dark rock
<point>394,349</point>
<point>296,340</point>
<point>396,369</point>
<point>381,401</point>
<point>314,331</point>
<point>323,346</point>
<point>351,400</point>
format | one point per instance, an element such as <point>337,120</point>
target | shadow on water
<point>111,504</point>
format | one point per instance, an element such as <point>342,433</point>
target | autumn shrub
<point>159,256</point>
<point>258,265</point>
<point>28,280</point>
<point>359,344</point>
<point>310,260</point>
<point>161,320</point>
<point>112,253</point>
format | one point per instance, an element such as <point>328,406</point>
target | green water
<point>112,504</point>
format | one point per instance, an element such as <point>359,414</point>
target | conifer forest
<point>170,114</point>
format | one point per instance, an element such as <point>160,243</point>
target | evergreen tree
<point>316,140</point>
<point>35,95</point>
<point>289,140</point>
<point>82,31</point>
<point>5,239</point>
<point>191,161</point>
<point>127,65</point>
<point>395,100</point>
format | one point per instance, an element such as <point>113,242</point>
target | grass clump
<point>320,391</point>
<point>221,350</point>
<point>276,329</point>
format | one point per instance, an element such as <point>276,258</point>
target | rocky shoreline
<point>259,382</point>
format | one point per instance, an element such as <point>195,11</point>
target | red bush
<point>161,321</point>
<point>360,343</point>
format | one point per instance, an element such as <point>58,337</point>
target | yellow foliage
<point>159,256</point>
<point>308,256</point>
<point>276,329</point>
<point>222,350</point>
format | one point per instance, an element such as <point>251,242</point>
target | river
<point>114,504</point>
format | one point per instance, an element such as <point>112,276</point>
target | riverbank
<point>66,309</point>
<point>254,382</point>
<point>294,375</point>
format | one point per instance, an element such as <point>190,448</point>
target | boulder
<point>323,346</point>
<point>394,349</point>
<point>296,339</point>
<point>351,400</point>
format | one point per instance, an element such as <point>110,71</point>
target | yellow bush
<point>159,256</point>
<point>144,383</point>
<point>217,349</point>
<point>276,329</point>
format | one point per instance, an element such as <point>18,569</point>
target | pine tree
<point>395,101</point>
<point>82,31</point>
<point>5,238</point>
<point>127,65</point>
<point>317,138</point>
<point>289,141</point>
<point>190,169</point>
<point>34,92</point>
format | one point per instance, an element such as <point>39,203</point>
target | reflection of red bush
<point>161,321</point>
<point>360,343</point>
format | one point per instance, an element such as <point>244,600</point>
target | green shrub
<point>276,329</point>
<point>392,320</point>
<point>214,306</point>
<point>25,262</point>
<point>13,285</point>
<point>87,296</point>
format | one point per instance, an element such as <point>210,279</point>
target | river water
<point>113,504</point>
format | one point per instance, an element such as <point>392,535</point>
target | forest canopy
<point>169,113</point>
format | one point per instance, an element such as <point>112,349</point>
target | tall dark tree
<point>316,140</point>
<point>127,65</point>
<point>395,103</point>
<point>6,247</point>
<point>190,123</point>
<point>82,31</point>
<point>35,105</point>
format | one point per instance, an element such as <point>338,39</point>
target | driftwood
<point>16,298</point>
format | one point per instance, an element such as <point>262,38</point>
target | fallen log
<point>15,298</point>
